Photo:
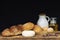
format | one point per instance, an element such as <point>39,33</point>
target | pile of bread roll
<point>18,29</point>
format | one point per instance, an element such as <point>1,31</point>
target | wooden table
<point>36,37</point>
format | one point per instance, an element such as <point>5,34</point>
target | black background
<point>20,12</point>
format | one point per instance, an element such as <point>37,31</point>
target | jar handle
<point>48,18</point>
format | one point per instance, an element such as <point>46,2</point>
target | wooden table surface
<point>36,37</point>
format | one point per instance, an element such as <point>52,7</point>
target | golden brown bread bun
<point>6,32</point>
<point>49,30</point>
<point>28,26</point>
<point>15,30</point>
<point>45,29</point>
<point>19,27</point>
<point>37,29</point>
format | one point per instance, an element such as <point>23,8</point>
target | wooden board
<point>36,37</point>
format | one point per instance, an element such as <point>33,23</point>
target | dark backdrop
<point>20,12</point>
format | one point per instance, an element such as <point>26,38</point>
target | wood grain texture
<point>36,37</point>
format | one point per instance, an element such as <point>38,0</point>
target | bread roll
<point>6,32</point>
<point>37,29</point>
<point>45,29</point>
<point>19,27</point>
<point>28,26</point>
<point>50,30</point>
<point>15,30</point>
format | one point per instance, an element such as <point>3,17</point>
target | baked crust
<point>37,29</point>
<point>28,26</point>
